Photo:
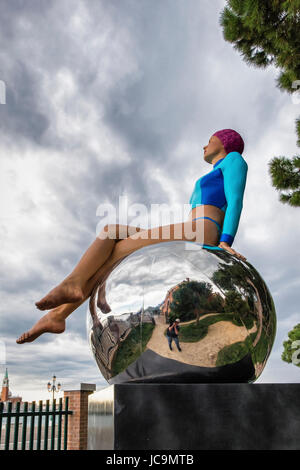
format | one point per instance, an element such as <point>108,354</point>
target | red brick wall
<point>78,421</point>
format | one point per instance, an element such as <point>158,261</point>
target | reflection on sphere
<point>227,317</point>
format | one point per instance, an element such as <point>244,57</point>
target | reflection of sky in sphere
<point>144,277</point>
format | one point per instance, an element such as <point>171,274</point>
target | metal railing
<point>50,433</point>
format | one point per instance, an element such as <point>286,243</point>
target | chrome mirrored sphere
<point>227,317</point>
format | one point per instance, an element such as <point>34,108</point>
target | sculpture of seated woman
<point>216,205</point>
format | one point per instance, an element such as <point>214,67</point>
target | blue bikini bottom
<point>218,225</point>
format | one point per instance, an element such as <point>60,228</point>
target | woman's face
<point>214,148</point>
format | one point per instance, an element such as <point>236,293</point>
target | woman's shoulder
<point>234,157</point>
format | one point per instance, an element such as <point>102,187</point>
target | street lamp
<point>53,388</point>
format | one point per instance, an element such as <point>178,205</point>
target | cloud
<point>111,98</point>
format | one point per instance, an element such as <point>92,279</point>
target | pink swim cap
<point>231,140</point>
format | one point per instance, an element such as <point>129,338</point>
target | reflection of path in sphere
<point>204,352</point>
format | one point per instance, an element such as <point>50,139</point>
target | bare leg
<point>202,232</point>
<point>54,321</point>
<point>101,300</point>
<point>71,288</point>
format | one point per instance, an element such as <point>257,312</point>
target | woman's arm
<point>234,170</point>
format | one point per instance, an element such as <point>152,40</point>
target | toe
<point>42,305</point>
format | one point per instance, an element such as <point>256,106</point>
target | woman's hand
<point>231,250</point>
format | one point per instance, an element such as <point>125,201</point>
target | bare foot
<point>49,323</point>
<point>66,292</point>
<point>104,307</point>
<point>101,300</point>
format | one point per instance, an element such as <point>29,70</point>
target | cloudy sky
<point>109,98</point>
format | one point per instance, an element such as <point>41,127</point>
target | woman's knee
<point>109,231</point>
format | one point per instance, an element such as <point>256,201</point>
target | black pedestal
<point>206,416</point>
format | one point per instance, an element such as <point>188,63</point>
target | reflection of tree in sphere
<point>227,317</point>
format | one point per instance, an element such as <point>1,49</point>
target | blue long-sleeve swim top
<point>224,187</point>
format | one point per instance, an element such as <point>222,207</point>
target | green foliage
<point>239,307</point>
<point>193,332</point>
<point>285,175</point>
<point>235,303</point>
<point>190,301</point>
<point>216,304</point>
<point>298,131</point>
<point>262,349</point>
<point>247,320</point>
<point>233,353</point>
<point>290,353</point>
<point>265,33</point>
<point>131,348</point>
<point>268,33</point>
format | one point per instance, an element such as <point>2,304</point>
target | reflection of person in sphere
<point>216,204</point>
<point>172,333</point>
